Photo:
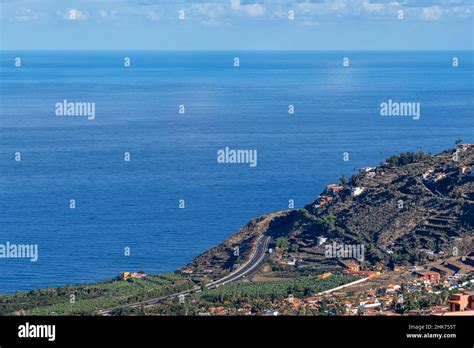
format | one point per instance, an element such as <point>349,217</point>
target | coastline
<point>258,240</point>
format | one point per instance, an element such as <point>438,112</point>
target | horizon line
<point>232,50</point>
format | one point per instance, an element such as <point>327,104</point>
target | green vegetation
<point>418,300</point>
<point>405,158</point>
<point>86,299</point>
<point>392,236</point>
<point>343,180</point>
<point>282,243</point>
<point>242,298</point>
<point>91,298</point>
<point>294,247</point>
<point>306,214</point>
<point>239,293</point>
<point>325,223</point>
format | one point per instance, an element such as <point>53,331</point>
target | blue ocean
<point>173,156</point>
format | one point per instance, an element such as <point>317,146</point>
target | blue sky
<point>237,24</point>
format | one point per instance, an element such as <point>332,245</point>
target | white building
<point>321,241</point>
<point>368,169</point>
<point>365,304</point>
<point>428,173</point>
<point>356,191</point>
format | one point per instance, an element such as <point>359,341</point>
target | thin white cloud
<point>73,14</point>
<point>432,13</point>
<point>26,15</point>
<point>322,8</point>
<point>385,9</point>
<point>208,14</point>
<point>112,14</point>
<point>460,11</point>
<point>253,10</point>
<point>211,10</point>
<point>373,7</point>
<point>214,12</point>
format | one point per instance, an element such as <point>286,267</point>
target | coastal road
<point>257,259</point>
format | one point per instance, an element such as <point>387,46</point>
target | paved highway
<point>258,257</point>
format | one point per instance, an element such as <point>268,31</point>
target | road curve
<point>257,258</point>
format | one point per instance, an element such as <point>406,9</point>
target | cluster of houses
<point>368,303</point>
<point>431,175</point>
<point>465,147</point>
<point>332,190</point>
<point>381,301</point>
<point>435,175</point>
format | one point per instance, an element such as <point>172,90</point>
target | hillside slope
<point>411,209</point>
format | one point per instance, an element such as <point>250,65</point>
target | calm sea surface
<point>135,204</point>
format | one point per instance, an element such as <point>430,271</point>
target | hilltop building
<point>461,303</point>
<point>333,188</point>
